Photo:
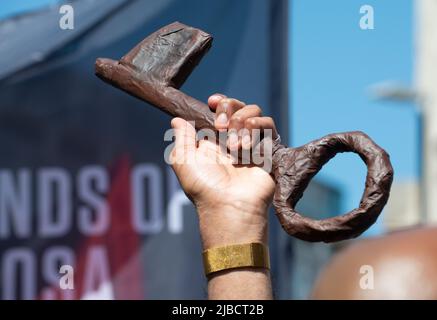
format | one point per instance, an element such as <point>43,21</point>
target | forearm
<point>231,200</point>
<point>242,228</point>
<point>244,283</point>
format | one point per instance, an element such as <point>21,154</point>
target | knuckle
<point>223,103</point>
<point>226,101</point>
<point>269,120</point>
<point>251,122</point>
<point>256,107</point>
<point>236,120</point>
<point>235,103</point>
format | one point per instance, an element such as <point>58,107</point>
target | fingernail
<point>217,96</point>
<point>222,118</point>
<point>245,141</point>
<point>233,139</point>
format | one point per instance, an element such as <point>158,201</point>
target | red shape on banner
<point>109,266</point>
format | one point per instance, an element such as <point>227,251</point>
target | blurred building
<point>426,82</point>
<point>402,210</point>
<point>415,202</point>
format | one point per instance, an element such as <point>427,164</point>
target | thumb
<point>185,135</point>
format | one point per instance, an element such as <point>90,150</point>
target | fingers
<point>225,108</point>
<point>237,123</point>
<point>214,100</point>
<point>240,120</point>
<point>263,125</point>
<point>244,123</point>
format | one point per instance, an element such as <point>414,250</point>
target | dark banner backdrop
<point>82,176</point>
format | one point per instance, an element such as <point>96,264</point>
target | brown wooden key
<point>156,68</point>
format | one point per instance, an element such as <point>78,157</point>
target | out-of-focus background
<point>82,176</point>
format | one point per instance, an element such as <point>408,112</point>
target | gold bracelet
<point>254,255</point>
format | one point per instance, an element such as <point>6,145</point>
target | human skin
<point>228,213</point>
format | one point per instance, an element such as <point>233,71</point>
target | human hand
<point>231,199</point>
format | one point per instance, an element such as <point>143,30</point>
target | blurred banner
<point>83,181</point>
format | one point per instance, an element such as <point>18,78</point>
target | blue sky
<point>9,7</point>
<point>333,63</point>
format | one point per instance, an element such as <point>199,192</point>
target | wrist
<point>245,255</point>
<point>244,283</point>
<point>235,223</point>
<point>243,278</point>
